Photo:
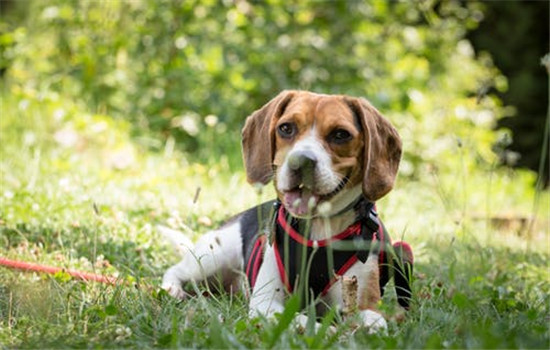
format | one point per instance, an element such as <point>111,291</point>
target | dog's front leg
<point>369,297</point>
<point>268,293</point>
<point>188,269</point>
<point>216,253</point>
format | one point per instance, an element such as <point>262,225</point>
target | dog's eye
<point>340,136</point>
<point>286,130</point>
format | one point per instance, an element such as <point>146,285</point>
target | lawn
<point>78,192</point>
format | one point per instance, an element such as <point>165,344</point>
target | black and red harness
<point>322,261</point>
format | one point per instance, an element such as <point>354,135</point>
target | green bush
<point>191,71</point>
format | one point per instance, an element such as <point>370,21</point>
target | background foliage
<point>528,84</point>
<point>117,116</point>
<point>172,69</point>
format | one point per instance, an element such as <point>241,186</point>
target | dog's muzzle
<point>308,182</point>
<point>302,166</point>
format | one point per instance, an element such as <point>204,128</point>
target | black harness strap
<point>320,262</point>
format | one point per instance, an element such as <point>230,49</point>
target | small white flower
<point>211,120</point>
<point>324,208</point>
<point>181,42</point>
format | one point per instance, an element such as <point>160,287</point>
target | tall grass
<point>76,192</point>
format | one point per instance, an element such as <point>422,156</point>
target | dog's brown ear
<point>382,151</point>
<point>258,138</point>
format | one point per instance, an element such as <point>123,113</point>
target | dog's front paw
<point>301,321</point>
<point>174,289</point>
<point>373,322</point>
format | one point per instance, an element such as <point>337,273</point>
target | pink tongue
<point>297,202</point>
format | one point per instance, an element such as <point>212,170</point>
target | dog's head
<point>321,149</point>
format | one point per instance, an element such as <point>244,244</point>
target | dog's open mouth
<point>302,200</point>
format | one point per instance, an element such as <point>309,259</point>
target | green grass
<point>476,285</point>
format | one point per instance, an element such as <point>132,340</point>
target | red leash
<point>85,276</point>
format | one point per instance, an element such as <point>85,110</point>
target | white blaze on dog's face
<point>319,152</point>
<point>321,149</point>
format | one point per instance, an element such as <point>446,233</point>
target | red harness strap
<point>354,229</point>
<point>397,262</point>
<point>256,259</point>
<point>343,259</point>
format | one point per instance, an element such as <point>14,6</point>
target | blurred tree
<point>12,14</point>
<point>192,71</point>
<point>516,34</point>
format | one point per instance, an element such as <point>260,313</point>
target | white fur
<point>216,251</point>
<point>179,241</point>
<point>268,294</point>
<point>373,321</point>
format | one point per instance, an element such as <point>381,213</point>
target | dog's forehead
<point>317,108</point>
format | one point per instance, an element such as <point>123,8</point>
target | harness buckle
<point>369,225</point>
<point>367,214</point>
<point>372,222</point>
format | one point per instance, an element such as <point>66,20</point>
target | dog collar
<point>286,225</point>
<point>366,223</point>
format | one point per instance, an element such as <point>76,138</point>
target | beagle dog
<point>330,157</point>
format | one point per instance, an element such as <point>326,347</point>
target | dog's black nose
<point>304,161</point>
<point>302,164</point>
